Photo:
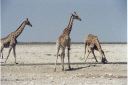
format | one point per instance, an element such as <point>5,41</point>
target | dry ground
<point>36,67</point>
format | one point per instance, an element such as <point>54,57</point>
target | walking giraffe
<point>11,40</point>
<point>64,41</point>
<point>92,43</point>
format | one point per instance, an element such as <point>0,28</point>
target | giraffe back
<point>8,40</point>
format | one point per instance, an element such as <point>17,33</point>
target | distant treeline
<point>71,43</point>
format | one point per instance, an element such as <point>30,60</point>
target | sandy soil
<point>36,66</point>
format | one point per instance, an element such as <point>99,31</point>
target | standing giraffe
<point>64,41</point>
<point>11,40</point>
<point>92,43</point>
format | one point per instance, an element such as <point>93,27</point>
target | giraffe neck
<point>69,21</point>
<point>68,29</point>
<point>20,29</point>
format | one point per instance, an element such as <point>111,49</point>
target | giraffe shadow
<point>1,62</point>
<point>78,68</point>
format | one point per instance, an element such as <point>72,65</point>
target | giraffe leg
<point>85,49</point>
<point>62,59</point>
<point>68,53</point>
<point>14,53</point>
<point>103,60</point>
<point>57,57</point>
<point>94,55</point>
<point>1,52</point>
<point>69,59</point>
<point>87,55</point>
<point>10,48</point>
<point>103,54</point>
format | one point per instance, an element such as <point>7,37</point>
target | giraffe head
<point>28,22</point>
<point>75,16</point>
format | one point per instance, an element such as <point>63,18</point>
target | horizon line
<point>71,42</point>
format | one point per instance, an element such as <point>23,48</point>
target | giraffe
<point>64,41</point>
<point>92,43</point>
<point>10,41</point>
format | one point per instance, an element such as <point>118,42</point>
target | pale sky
<point>105,18</point>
